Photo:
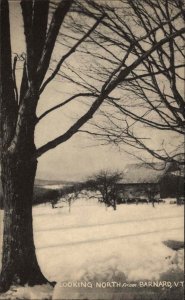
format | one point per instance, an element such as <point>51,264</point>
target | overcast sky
<point>80,156</point>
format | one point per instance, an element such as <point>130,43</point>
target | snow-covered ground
<point>96,244</point>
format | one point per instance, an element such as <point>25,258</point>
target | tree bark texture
<point>19,262</point>
<point>17,124</point>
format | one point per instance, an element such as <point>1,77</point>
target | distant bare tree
<point>106,183</point>
<point>70,194</point>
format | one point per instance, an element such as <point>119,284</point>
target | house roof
<point>144,173</point>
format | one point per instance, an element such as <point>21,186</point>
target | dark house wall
<point>172,186</point>
<point>142,191</point>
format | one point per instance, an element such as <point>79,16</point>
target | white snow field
<point>94,244</point>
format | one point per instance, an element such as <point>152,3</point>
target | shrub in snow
<point>43,195</point>
<point>177,260</point>
<point>111,270</point>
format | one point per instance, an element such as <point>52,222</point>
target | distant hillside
<point>42,182</point>
<point>44,190</point>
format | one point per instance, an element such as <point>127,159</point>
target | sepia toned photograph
<point>92,124</point>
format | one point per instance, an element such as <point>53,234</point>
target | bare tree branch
<point>72,50</point>
<point>64,103</point>
<point>58,17</point>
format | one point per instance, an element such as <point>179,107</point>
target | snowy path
<point>101,240</point>
<point>105,224</point>
<point>71,235</point>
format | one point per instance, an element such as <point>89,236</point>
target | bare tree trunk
<point>114,204</point>
<point>69,206</point>
<point>18,120</point>
<point>19,262</point>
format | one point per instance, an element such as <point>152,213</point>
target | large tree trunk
<point>19,262</point>
<point>17,126</point>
